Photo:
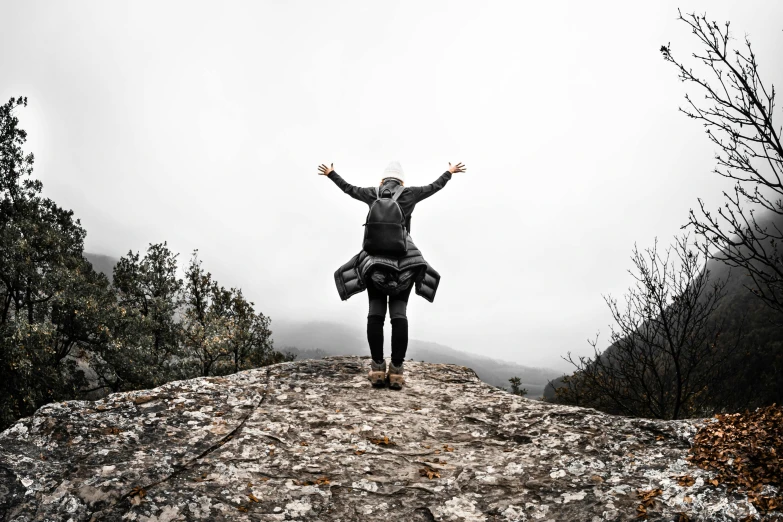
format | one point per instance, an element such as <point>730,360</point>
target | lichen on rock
<point>312,440</point>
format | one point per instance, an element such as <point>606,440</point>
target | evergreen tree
<point>49,295</point>
<point>146,350</point>
<point>221,329</point>
<point>516,388</point>
<point>202,324</point>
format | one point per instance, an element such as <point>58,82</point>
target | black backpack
<point>384,229</point>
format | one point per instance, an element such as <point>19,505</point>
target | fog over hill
<point>743,312</point>
<point>315,339</point>
<point>102,263</point>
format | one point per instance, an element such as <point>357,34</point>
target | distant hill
<point>316,339</point>
<point>757,366</point>
<point>102,263</point>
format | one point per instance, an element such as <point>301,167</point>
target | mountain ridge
<point>761,326</point>
<point>325,338</point>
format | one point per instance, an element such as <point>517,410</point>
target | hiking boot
<point>395,379</point>
<point>377,374</point>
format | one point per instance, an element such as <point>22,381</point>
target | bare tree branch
<point>738,116</point>
<point>669,346</point>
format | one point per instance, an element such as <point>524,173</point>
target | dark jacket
<point>407,200</point>
<point>353,276</point>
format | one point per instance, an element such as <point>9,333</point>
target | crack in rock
<point>182,467</point>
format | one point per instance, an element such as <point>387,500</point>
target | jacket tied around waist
<point>391,274</point>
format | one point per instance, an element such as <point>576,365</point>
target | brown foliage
<point>745,450</point>
<point>647,498</point>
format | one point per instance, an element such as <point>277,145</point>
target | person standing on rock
<point>388,278</point>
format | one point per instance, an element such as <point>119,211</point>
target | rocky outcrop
<point>311,440</point>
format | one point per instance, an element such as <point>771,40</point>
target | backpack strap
<point>397,192</point>
<point>377,193</point>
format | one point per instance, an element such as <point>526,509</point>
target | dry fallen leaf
<point>744,450</point>
<point>322,481</point>
<point>202,478</point>
<point>648,496</point>
<point>385,441</point>
<point>252,497</point>
<point>429,473</point>
<point>685,481</point>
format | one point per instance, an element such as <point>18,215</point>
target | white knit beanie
<point>394,170</point>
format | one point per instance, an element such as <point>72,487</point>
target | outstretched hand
<point>324,170</point>
<point>459,167</point>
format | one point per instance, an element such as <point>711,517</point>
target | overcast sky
<point>202,124</point>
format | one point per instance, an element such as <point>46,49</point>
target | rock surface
<point>311,440</point>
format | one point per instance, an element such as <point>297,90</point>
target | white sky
<point>202,124</point>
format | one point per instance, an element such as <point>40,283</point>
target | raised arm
<point>363,194</point>
<point>426,191</point>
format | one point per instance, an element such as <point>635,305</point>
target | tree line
<point>680,348</point>
<point>68,332</point>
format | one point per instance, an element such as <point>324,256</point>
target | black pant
<point>377,315</point>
